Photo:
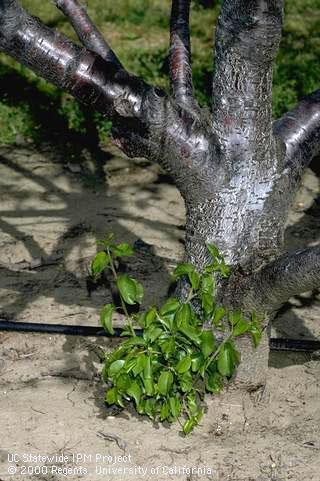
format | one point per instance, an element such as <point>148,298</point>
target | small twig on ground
<point>23,356</point>
<point>37,411</point>
<point>113,437</point>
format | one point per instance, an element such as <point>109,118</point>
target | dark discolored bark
<point>237,170</point>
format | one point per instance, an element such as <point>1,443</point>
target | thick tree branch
<point>87,32</point>
<point>103,85</point>
<point>180,52</point>
<point>289,275</point>
<point>247,39</point>
<point>82,73</point>
<point>146,123</point>
<point>299,129</point>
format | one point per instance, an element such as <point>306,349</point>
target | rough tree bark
<point>236,169</point>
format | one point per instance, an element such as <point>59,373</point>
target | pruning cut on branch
<point>237,170</point>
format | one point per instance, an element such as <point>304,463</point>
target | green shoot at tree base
<point>167,371</point>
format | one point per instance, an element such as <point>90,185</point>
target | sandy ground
<point>51,398</point>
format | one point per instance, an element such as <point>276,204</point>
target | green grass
<point>138,32</point>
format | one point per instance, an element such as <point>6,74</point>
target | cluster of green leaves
<point>167,369</point>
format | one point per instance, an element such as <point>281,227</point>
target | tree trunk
<point>237,170</point>
<point>250,235</point>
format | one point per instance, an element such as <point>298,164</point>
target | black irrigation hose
<point>276,344</point>
<point>305,345</point>
<point>57,329</point>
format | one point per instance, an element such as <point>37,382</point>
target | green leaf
<point>207,303</point>
<point>150,408</point>
<point>139,291</point>
<point>194,279</point>
<point>189,425</point>
<point>147,368</point>
<point>192,403</point>
<point>241,327</point>
<point>192,422</point>
<point>166,322</point>
<point>152,333</point>
<point>140,364</point>
<point>126,331</point>
<point>165,382</point>
<point>119,400</point>
<point>165,411</point>
<point>106,318</point>
<point>183,270</point>
<point>115,367</point>
<point>99,263</point>
<point>214,383</point>
<point>183,314</point>
<point>140,319</point>
<point>123,382</point>
<point>141,407</point>
<point>148,386</point>
<point>168,347</point>
<point>134,391</point>
<point>199,416</point>
<point>256,333</point>
<point>185,382</point>
<point>147,318</point>
<point>187,270</point>
<point>130,364</point>
<point>218,315</point>
<point>183,365</point>
<point>195,320</point>
<point>111,396</point>
<point>208,344</point>
<point>175,407</point>
<point>235,317</point>
<point>151,315</point>
<point>225,365</point>
<point>119,353</point>
<point>156,364</point>
<point>108,240</point>
<point>191,332</point>
<point>207,284</point>
<point>228,359</point>
<point>214,251</point>
<point>167,313</point>
<point>134,341</point>
<point>197,361</point>
<point>170,306</point>
<point>122,250</point>
<point>218,264</point>
<point>131,290</point>
<point>224,269</point>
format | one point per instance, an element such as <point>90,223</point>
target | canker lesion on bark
<point>231,165</point>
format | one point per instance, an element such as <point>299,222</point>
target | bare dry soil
<point>53,210</point>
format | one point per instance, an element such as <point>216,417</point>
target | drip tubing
<point>276,344</point>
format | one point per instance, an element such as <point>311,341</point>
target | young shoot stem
<point>123,305</point>
<point>216,352</point>
<point>190,295</point>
